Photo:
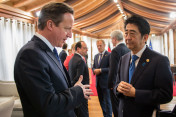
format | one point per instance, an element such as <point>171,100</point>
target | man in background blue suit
<point>42,81</point>
<point>101,70</point>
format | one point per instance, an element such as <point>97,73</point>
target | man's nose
<point>69,34</point>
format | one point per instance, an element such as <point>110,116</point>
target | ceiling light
<point>173,15</point>
<point>37,13</point>
<point>153,35</point>
<point>118,5</point>
<point>115,1</point>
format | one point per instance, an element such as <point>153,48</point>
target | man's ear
<point>49,24</point>
<point>145,37</point>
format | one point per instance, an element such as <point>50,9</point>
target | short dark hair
<point>78,45</point>
<point>140,22</point>
<point>64,46</point>
<point>54,12</point>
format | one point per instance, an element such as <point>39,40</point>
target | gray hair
<point>117,34</point>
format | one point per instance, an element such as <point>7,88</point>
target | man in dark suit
<point>119,50</point>
<point>63,53</point>
<point>144,76</point>
<point>77,67</point>
<point>101,69</point>
<point>42,81</point>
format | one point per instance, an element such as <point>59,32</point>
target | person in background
<point>68,58</point>
<point>63,53</point>
<point>144,78</point>
<point>43,83</point>
<point>69,51</point>
<point>101,70</point>
<point>77,67</point>
<point>119,50</point>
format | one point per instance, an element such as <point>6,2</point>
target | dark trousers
<point>82,110</point>
<point>105,101</point>
<point>115,103</point>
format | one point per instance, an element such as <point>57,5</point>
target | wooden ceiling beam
<point>163,3</point>
<point>3,1</point>
<point>157,24</point>
<point>106,23</point>
<point>110,17</point>
<point>22,3</point>
<point>94,12</point>
<point>38,6</point>
<point>154,5</point>
<point>97,17</point>
<point>87,7</point>
<point>145,13</point>
<point>77,31</point>
<point>120,23</point>
<point>15,11</point>
<point>107,27</point>
<point>168,27</point>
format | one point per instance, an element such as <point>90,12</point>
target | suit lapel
<point>57,63</point>
<point>45,48</point>
<point>105,54</point>
<point>96,60</point>
<point>142,65</point>
<point>126,64</point>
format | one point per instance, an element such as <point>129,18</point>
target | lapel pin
<point>147,60</point>
<point>143,64</point>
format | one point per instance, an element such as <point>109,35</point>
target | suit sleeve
<point>114,60</point>
<point>162,91</point>
<point>93,68</point>
<point>118,81</point>
<point>63,57</point>
<point>35,81</point>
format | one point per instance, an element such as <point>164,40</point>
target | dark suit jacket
<point>115,56</point>
<point>63,56</point>
<point>152,80</point>
<point>77,67</point>
<point>102,78</point>
<point>44,88</point>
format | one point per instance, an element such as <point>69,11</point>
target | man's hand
<point>126,88</point>
<point>97,71</point>
<point>85,88</point>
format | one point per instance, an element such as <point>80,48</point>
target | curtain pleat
<point>13,35</point>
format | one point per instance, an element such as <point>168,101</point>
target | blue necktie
<point>56,54</point>
<point>132,67</point>
<point>100,57</point>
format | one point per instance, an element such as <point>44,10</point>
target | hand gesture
<point>85,88</point>
<point>126,88</point>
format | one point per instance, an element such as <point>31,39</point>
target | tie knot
<point>134,58</point>
<point>55,51</point>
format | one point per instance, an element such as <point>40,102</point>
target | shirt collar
<point>103,52</point>
<point>119,43</point>
<point>44,40</point>
<point>139,54</point>
<point>78,54</point>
